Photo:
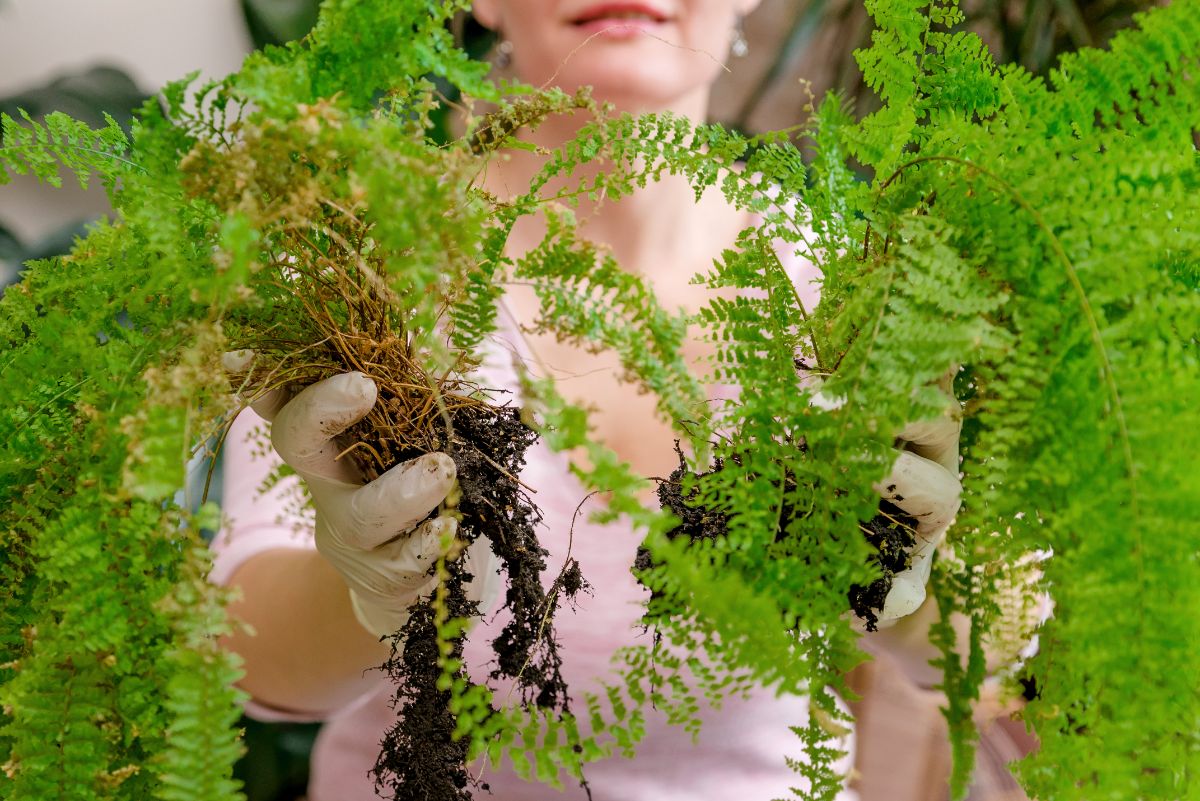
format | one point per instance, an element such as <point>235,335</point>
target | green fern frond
<point>43,149</point>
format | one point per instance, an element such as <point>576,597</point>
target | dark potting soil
<point>419,759</point>
<point>890,533</point>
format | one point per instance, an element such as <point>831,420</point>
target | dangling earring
<point>504,50</point>
<point>739,47</point>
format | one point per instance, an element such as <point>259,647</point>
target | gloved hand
<point>924,483</point>
<point>373,533</point>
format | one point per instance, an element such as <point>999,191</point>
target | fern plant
<point>1037,239</point>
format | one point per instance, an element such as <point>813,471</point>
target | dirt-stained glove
<point>376,534</point>
<point>924,483</point>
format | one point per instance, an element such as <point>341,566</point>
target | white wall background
<point>153,41</point>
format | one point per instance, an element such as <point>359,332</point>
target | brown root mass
<point>891,533</point>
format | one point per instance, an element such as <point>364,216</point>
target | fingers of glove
<point>394,502</point>
<point>380,622</point>
<point>386,582</point>
<point>829,404</point>
<point>921,562</point>
<point>402,570</point>
<point>265,404</point>
<point>908,589</point>
<point>304,429</point>
<point>936,440</point>
<point>905,597</point>
<point>268,405</point>
<point>235,362</point>
<point>923,489</point>
<point>401,567</point>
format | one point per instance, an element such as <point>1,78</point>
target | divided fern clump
<point>1038,241</point>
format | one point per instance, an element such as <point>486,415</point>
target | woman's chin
<point>635,84</point>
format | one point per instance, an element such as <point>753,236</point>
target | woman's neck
<point>649,231</point>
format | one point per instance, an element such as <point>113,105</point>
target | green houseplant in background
<point>1040,236</point>
<point>85,95</point>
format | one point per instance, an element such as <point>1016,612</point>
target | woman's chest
<point>623,415</point>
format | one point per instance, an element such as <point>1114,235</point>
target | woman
<point>317,616</point>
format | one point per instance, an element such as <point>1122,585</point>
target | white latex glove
<point>924,483</point>
<point>373,533</point>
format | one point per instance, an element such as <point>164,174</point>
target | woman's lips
<point>619,20</point>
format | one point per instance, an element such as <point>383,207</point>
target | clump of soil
<point>419,758</point>
<point>891,533</point>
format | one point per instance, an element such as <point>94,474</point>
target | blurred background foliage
<point>799,49</point>
<point>813,41</point>
<point>86,96</point>
<point>276,22</point>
